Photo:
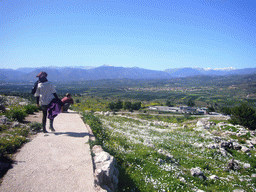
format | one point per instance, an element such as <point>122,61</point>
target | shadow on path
<point>73,134</point>
<point>71,112</point>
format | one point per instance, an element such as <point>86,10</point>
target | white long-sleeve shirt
<point>45,92</point>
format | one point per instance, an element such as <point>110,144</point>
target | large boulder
<point>237,146</point>
<point>233,165</point>
<point>200,124</point>
<point>214,177</point>
<point>245,149</point>
<point>246,166</point>
<point>223,152</point>
<point>205,124</point>
<point>226,145</point>
<point>213,146</point>
<point>253,141</point>
<point>238,190</point>
<point>196,172</point>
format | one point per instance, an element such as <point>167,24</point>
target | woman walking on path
<point>45,93</point>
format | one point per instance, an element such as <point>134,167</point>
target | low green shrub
<point>11,144</point>
<point>36,126</point>
<point>12,139</point>
<point>16,113</point>
<point>96,126</point>
<point>3,127</point>
<point>230,128</point>
<point>30,109</point>
<point>169,119</point>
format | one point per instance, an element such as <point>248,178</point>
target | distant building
<point>182,109</point>
<point>152,108</point>
<point>213,113</point>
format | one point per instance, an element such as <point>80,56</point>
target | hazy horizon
<point>154,35</point>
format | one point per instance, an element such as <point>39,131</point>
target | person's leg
<point>44,109</point>
<point>51,125</point>
<point>65,107</point>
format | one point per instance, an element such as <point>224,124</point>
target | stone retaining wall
<point>105,167</point>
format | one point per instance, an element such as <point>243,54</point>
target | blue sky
<point>150,34</point>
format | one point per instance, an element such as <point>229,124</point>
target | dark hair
<point>42,74</point>
<point>68,94</point>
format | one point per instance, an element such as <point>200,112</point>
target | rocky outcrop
<point>205,124</point>
<point>233,165</point>
<point>226,145</point>
<point>196,172</point>
<point>106,171</point>
<point>214,177</point>
<point>13,100</point>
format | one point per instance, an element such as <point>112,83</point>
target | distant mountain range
<point>64,74</point>
<point>188,72</point>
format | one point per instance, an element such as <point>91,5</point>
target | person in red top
<point>67,101</point>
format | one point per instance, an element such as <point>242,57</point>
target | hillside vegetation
<point>14,132</point>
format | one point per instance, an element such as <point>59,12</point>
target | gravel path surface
<point>57,161</point>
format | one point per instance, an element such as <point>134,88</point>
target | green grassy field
<point>156,155</point>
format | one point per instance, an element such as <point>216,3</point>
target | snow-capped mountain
<point>109,72</point>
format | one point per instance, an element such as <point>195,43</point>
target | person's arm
<point>37,95</point>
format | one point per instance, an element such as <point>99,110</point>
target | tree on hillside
<point>210,109</point>
<point>131,106</point>
<point>111,106</point>
<point>127,105</point>
<point>115,106</point>
<point>244,115</point>
<point>191,103</point>
<point>119,104</point>
<point>168,103</point>
<point>136,105</point>
<point>225,110</point>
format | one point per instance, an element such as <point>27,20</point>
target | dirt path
<point>56,161</point>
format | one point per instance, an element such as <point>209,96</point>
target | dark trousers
<point>44,109</point>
